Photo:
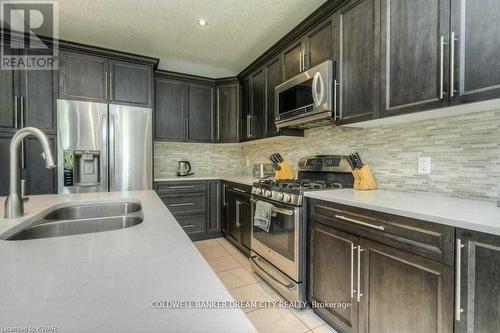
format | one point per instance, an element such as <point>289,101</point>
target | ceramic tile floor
<point>235,272</point>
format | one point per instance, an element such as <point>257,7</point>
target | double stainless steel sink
<point>79,219</point>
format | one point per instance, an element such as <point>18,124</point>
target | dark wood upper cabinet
<point>357,55</point>
<point>130,83</point>
<point>83,77</point>
<point>330,276</point>
<point>200,113</point>
<point>170,104</point>
<point>228,112</point>
<point>274,77</point>
<point>319,43</point>
<point>245,110</point>
<point>403,292</point>
<point>5,139</point>
<point>257,119</point>
<point>292,59</point>
<point>9,120</point>
<point>476,67</point>
<point>413,37</point>
<point>478,275</point>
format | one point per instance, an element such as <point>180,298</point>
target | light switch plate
<point>424,165</point>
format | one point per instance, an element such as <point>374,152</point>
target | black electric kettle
<point>184,168</point>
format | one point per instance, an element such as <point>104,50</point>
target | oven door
<point>307,95</point>
<point>280,246</point>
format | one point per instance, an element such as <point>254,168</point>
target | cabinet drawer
<point>181,186</point>
<point>240,188</point>
<point>193,224</point>
<point>185,202</point>
<point>428,239</point>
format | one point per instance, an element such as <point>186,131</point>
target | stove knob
<point>280,196</point>
<point>288,198</point>
<point>258,191</point>
<point>268,194</point>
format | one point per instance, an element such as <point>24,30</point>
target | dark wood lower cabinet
<point>478,275</point>
<point>239,216</point>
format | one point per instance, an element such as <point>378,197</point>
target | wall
<point>464,151</point>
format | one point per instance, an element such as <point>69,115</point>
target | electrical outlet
<point>424,165</point>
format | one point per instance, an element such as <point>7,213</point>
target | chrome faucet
<point>14,204</point>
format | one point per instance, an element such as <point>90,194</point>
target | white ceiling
<point>237,31</point>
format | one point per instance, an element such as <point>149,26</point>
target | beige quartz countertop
<point>107,281</point>
<point>240,179</point>
<point>468,214</point>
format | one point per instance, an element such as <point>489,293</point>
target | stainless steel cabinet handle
<point>186,127</point>
<point>21,104</point>
<point>218,114</point>
<point>453,39</point>
<point>182,204</point>
<point>181,187</point>
<point>347,219</point>
<point>458,278</point>
<point>300,61</point>
<point>441,67</point>
<point>239,190</point>
<point>238,213</point>
<point>224,200</point>
<point>304,55</point>
<point>106,85</point>
<point>112,151</point>
<point>110,85</point>
<point>335,85</point>
<point>187,226</point>
<point>359,273</point>
<point>16,111</point>
<point>352,271</point>
<point>249,125</point>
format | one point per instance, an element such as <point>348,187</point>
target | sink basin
<point>79,219</point>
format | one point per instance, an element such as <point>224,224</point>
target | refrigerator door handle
<point>111,152</point>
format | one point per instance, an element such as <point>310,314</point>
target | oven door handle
<point>283,211</point>
<point>290,286</point>
<point>318,100</point>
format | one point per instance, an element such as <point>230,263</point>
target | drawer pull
<point>182,204</point>
<point>239,190</point>
<point>188,226</point>
<point>181,186</point>
<point>341,217</point>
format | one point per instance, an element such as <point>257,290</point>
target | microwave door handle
<point>318,100</point>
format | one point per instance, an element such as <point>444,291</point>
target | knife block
<point>285,171</point>
<point>363,179</point>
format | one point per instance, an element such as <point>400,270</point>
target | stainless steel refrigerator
<point>103,147</point>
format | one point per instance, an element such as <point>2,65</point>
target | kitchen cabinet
<point>396,272</point>
<point>357,33</point>
<point>245,109</point>
<point>413,36</point>
<point>273,78</point>
<point>196,205</point>
<point>170,103</point>
<point>293,58</point>
<point>94,78</point>
<point>477,307</point>
<point>8,99</point>
<point>475,40</point>
<point>5,139</point>
<point>200,113</point>
<point>256,116</point>
<point>130,83</point>
<point>228,112</point>
<point>319,43</point>
<point>184,109</point>
<point>239,216</point>
<point>39,179</point>
<point>83,77</point>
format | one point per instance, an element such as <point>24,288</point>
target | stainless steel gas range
<point>279,255</point>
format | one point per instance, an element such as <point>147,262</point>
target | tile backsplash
<point>464,152</point>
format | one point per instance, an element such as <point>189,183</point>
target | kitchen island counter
<point>108,281</point>
<point>475,215</point>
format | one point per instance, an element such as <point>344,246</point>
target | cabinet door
<point>130,83</point>
<point>200,117</point>
<point>39,180</point>
<point>478,276</point>
<point>331,275</point>
<point>245,110</point>
<point>234,222</point>
<point>228,113</point>
<point>9,120</point>
<point>225,210</point>
<point>38,91</point>
<point>411,33</point>
<point>170,109</point>
<point>258,119</point>
<point>273,78</point>
<point>358,60</point>
<point>245,211</point>
<point>5,139</point>
<point>403,292</point>
<point>215,207</point>
<point>292,60</point>
<point>83,77</point>
<point>320,44</point>
<point>477,47</point>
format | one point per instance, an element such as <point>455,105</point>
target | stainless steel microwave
<point>308,99</point>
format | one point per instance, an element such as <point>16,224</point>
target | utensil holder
<point>285,172</point>
<point>363,179</point>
